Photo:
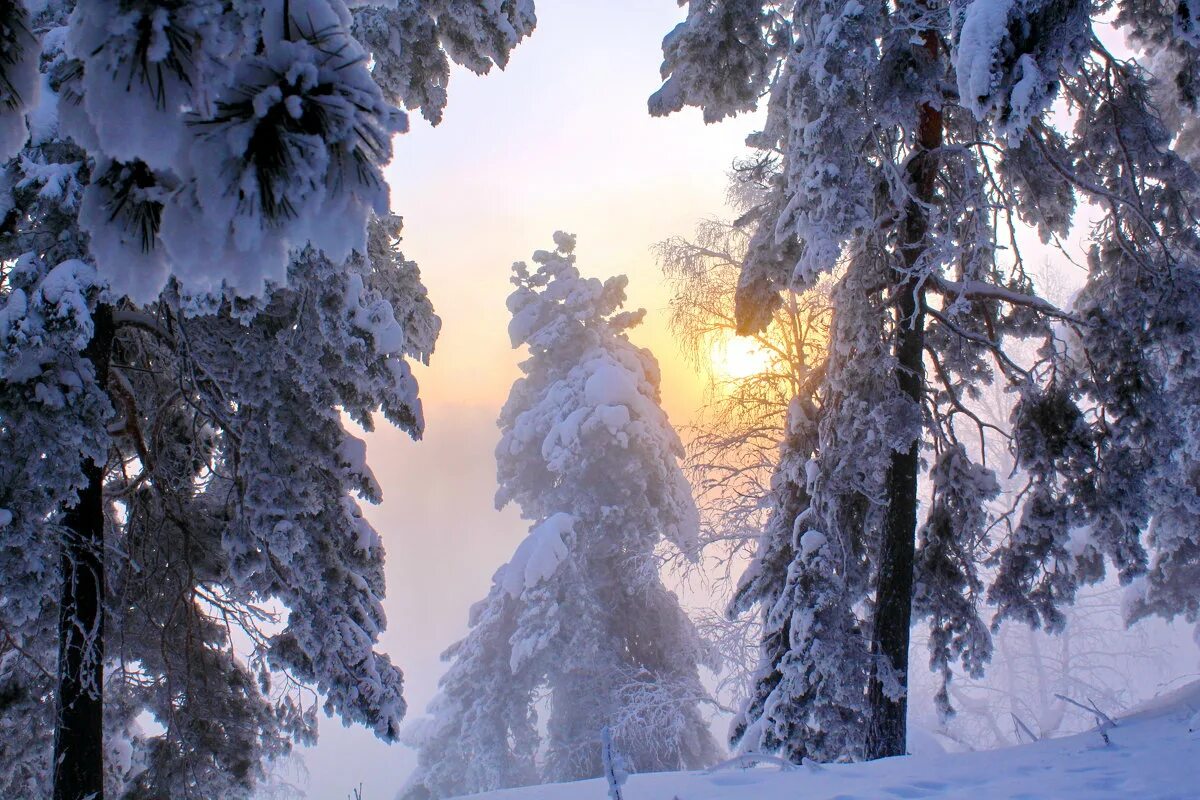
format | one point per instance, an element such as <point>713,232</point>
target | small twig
<point>1100,715</point>
<point>123,318</point>
<point>1021,727</point>
<point>30,657</point>
<point>982,290</point>
<point>614,765</point>
<point>1104,723</point>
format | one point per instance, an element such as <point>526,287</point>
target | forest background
<point>561,139</point>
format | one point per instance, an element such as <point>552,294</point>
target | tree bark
<point>890,632</point>
<point>79,725</point>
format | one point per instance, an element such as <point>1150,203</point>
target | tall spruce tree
<point>580,612</point>
<point>918,140</point>
<point>188,283</point>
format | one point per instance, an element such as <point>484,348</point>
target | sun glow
<point>737,357</point>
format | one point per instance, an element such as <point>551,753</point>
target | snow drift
<point>1153,753</point>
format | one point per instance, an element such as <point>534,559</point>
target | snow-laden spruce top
<point>586,388</point>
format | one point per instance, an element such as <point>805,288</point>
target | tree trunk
<point>79,727</point>
<point>890,631</point>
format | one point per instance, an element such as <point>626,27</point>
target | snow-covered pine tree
<point>809,635</point>
<point>211,520</point>
<point>580,612</point>
<point>917,142</point>
<point>203,149</point>
<point>584,435</point>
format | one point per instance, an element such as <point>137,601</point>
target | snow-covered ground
<point>1152,754</point>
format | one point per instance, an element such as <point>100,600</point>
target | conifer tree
<point>916,141</point>
<point>580,612</point>
<point>188,281</point>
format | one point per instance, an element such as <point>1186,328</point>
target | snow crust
<point>811,541</point>
<point>984,29</point>
<point>611,385</point>
<point>538,556</point>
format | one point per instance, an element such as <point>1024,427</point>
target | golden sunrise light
<point>738,357</point>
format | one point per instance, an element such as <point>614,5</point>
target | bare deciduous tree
<point>732,447</point>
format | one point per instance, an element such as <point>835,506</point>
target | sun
<point>737,357</point>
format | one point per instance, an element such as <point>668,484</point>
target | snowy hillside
<point>1153,754</point>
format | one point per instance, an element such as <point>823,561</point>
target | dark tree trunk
<point>79,727</point>
<point>886,725</point>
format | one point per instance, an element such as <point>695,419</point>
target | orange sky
<point>560,140</point>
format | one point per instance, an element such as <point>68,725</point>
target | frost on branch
<point>300,536</point>
<point>293,154</point>
<point>1008,55</point>
<point>18,75</point>
<point>281,510</point>
<point>820,192</point>
<point>121,210</point>
<point>413,42</point>
<point>251,135</point>
<point>1168,34</point>
<point>228,136</point>
<point>948,588</point>
<point>143,64</point>
<point>537,557</point>
<point>720,58</point>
